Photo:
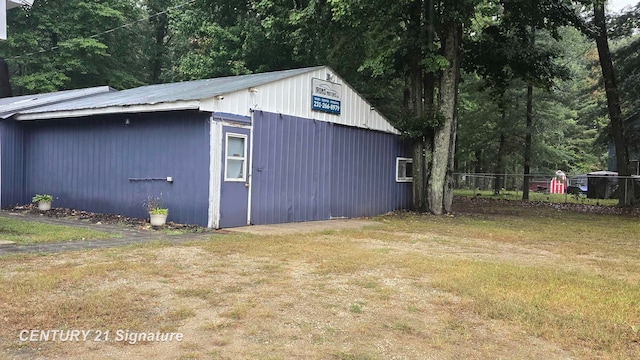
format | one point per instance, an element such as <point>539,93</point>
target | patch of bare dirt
<point>305,227</point>
<point>242,307</point>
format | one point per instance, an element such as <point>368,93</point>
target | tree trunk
<point>418,176</point>
<point>413,101</point>
<point>527,143</point>
<point>449,182</point>
<point>160,26</point>
<point>529,130</point>
<point>5,85</point>
<point>429,90</point>
<point>499,169</point>
<point>158,50</point>
<point>477,170</point>
<point>443,133</point>
<point>415,57</point>
<point>625,197</point>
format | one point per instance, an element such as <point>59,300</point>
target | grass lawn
<point>30,232</point>
<point>501,281</point>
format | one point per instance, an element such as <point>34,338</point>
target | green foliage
<point>567,118</point>
<point>500,55</point>
<point>356,308</point>
<point>43,81</point>
<point>42,197</point>
<point>379,47</point>
<point>505,54</point>
<point>416,127</point>
<point>158,211</point>
<point>625,24</point>
<point>434,62</point>
<point>546,15</point>
<point>627,59</point>
<point>62,45</point>
<point>214,51</point>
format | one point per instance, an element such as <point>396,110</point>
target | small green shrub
<point>42,197</point>
<point>158,211</point>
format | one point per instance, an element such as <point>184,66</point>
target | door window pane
<point>235,159</point>
<point>235,146</point>
<point>235,169</point>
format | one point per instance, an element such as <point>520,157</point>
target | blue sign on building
<point>326,105</point>
<point>325,96</point>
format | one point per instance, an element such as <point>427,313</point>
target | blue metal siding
<point>363,173</point>
<point>291,169</point>
<point>312,170</point>
<point>11,161</point>
<point>87,163</point>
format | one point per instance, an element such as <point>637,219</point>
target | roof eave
<point>182,105</point>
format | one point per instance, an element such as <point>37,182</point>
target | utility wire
<point>108,31</point>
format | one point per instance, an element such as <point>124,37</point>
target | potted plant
<point>157,213</point>
<point>43,200</point>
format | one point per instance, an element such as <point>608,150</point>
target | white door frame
<point>250,172</point>
<point>215,172</point>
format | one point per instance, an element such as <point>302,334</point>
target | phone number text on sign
<point>326,105</point>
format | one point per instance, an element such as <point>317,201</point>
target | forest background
<point>517,83</point>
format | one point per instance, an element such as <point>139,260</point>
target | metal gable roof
<point>12,105</point>
<point>180,95</point>
<point>16,3</point>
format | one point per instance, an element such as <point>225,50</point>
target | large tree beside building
<point>613,103</point>
<point>419,42</point>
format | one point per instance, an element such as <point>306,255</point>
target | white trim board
<point>250,172</point>
<point>215,172</point>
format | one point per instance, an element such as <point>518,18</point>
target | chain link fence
<point>600,187</point>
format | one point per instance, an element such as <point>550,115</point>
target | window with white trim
<point>404,169</point>
<point>236,157</point>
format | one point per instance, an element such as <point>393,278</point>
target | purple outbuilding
<point>285,146</point>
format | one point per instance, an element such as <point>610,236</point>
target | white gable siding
<point>292,96</point>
